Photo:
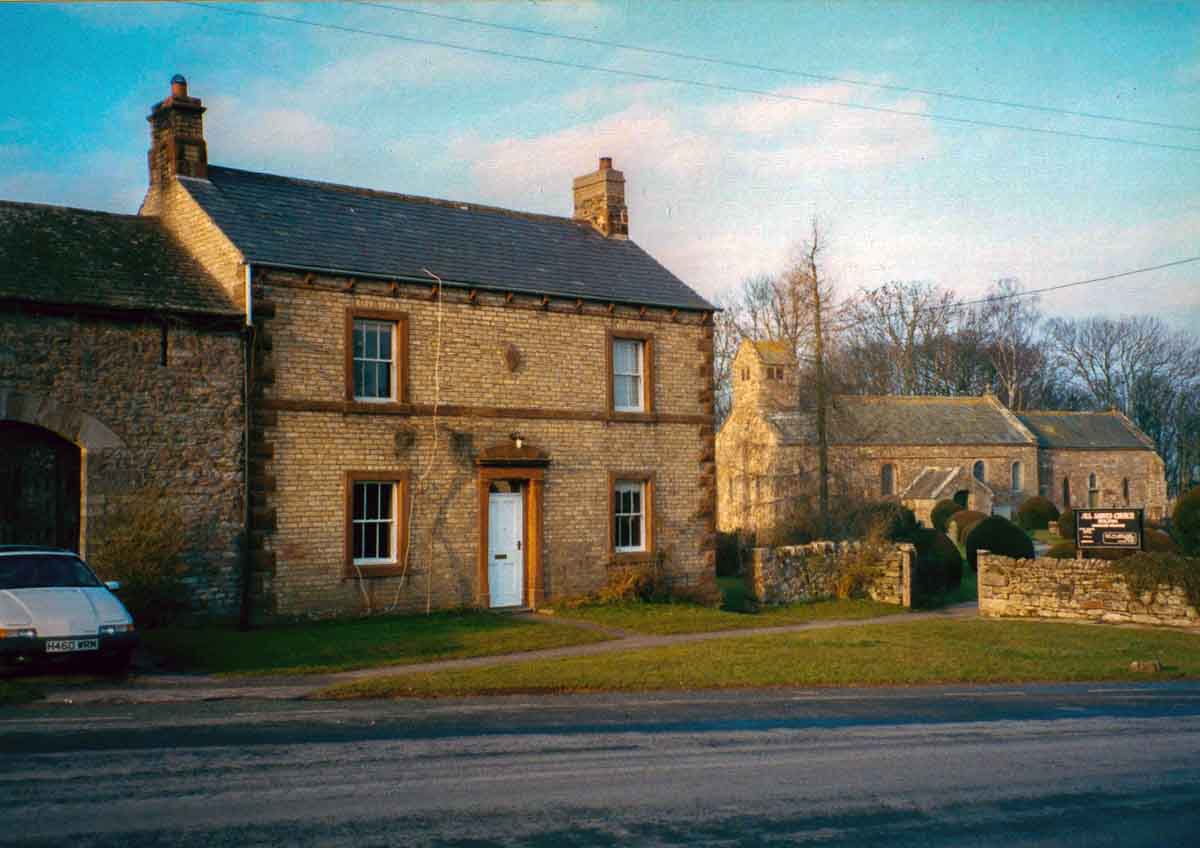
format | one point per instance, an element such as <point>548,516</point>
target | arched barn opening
<point>39,487</point>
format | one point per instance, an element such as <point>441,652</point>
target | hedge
<point>1000,536</point>
<point>942,513</point>
<point>1036,513</point>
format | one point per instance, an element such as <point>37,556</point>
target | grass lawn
<point>920,652</point>
<point>356,643</point>
<point>669,618</point>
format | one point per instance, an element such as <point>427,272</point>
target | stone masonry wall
<point>1076,589</point>
<point>786,575</point>
<point>309,437</point>
<point>1143,468</point>
<point>181,423</point>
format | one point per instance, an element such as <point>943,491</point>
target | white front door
<point>506,560</point>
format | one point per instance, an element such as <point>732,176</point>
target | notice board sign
<point>1108,528</point>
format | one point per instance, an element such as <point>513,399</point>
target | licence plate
<point>62,646</point>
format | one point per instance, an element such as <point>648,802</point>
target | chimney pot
<point>178,86</point>
<point>605,163</point>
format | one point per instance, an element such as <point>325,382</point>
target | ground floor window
<point>631,515</point>
<point>887,480</point>
<point>375,525</point>
<point>1093,491</point>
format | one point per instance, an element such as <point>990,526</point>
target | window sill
<point>378,569</point>
<point>367,407</point>
<point>643,417</point>
<point>630,557</point>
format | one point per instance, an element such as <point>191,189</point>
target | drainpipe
<point>246,613</point>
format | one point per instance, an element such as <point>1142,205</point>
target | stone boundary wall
<point>786,575</point>
<point>1088,589</point>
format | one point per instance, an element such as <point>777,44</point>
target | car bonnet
<point>60,611</point>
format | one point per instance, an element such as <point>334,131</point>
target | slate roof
<point>1102,430</point>
<point>933,483</point>
<point>907,420</point>
<point>774,352</point>
<point>76,257</point>
<point>303,224</point>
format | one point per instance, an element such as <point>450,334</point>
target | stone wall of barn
<point>507,365</point>
<point>172,427</point>
<point>1088,589</point>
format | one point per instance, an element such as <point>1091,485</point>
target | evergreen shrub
<point>962,521</point>
<point>942,512</point>
<point>1000,536</point>
<point>1036,513</point>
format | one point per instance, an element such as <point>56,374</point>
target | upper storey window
<point>629,356</point>
<point>630,373</point>
<point>376,348</point>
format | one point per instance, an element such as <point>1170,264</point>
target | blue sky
<point>720,183</point>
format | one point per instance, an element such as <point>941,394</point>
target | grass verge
<point>313,647</point>
<point>920,652</point>
<point>665,619</point>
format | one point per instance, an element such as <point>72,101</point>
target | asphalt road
<point>1013,766</point>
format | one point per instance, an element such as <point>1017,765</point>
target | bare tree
<point>894,325</point>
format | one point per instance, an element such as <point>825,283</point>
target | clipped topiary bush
<point>962,521</point>
<point>942,513</point>
<point>1000,536</point>
<point>938,565</point>
<point>1066,525</point>
<point>882,520</point>
<point>1036,513</point>
<point>1159,542</point>
<point>1186,520</point>
<point>1063,550</point>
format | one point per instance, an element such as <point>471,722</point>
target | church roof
<point>933,483</point>
<point>1100,430</point>
<point>67,257</point>
<point>316,226</point>
<point>907,420</point>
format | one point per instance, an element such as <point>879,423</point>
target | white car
<point>52,606</point>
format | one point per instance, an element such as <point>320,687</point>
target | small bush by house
<point>138,543</point>
<point>1000,536</point>
<point>962,521</point>
<point>942,512</point>
<point>1186,520</point>
<point>1036,513</point>
<point>882,519</point>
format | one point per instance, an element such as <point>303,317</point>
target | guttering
<point>404,278</point>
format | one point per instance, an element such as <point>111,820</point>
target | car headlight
<point>114,629</point>
<point>18,633</point>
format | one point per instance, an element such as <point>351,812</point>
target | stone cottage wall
<point>178,427</point>
<point>506,366</point>
<point>1088,589</point>
<point>786,575</point>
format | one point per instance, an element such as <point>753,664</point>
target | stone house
<point>449,404</point>
<point>919,450</point>
<point>121,372</point>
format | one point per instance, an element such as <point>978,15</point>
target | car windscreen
<point>45,571</point>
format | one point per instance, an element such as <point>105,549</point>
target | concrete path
<point>169,688</point>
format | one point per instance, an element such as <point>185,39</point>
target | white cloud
<point>242,131</point>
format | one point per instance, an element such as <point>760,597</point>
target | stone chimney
<point>176,137</point>
<point>600,200</point>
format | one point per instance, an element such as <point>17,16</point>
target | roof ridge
<point>1069,412</point>
<point>363,191</point>
<point>58,208</point>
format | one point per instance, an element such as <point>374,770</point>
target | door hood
<point>61,612</point>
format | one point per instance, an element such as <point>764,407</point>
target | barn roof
<point>60,256</point>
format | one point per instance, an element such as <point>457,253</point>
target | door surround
<point>526,466</point>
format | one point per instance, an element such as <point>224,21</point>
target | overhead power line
<point>483,51</point>
<point>1087,282</point>
<point>752,66</point>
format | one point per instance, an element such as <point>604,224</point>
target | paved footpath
<point>155,687</point>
